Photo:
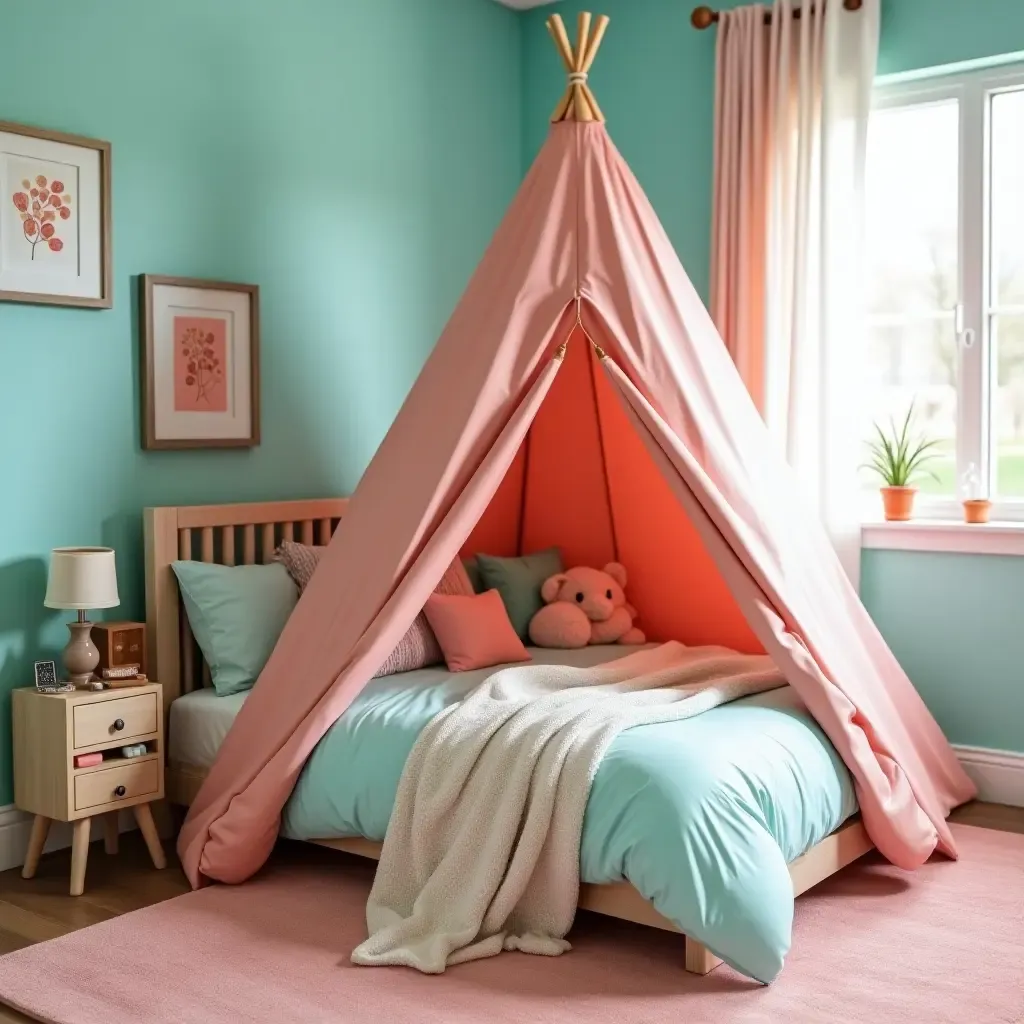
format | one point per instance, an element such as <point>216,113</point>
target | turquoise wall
<point>953,620</point>
<point>352,159</point>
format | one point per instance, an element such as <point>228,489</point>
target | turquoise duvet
<point>702,816</point>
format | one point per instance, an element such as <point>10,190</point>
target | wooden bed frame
<point>248,534</point>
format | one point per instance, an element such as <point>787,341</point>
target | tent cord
<point>578,323</point>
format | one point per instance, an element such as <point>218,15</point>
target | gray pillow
<point>518,581</point>
<point>472,568</point>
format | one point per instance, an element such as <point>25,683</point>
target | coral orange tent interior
<point>583,481</point>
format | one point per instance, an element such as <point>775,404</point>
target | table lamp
<point>81,578</point>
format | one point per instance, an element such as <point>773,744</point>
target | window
<point>945,280</point>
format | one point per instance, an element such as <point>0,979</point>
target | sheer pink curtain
<point>791,108</point>
<point>739,234</point>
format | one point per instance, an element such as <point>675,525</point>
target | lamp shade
<point>82,578</point>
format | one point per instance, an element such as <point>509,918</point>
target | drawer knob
<point>118,724</point>
<point>120,791</point>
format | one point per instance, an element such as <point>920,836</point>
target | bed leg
<point>700,959</point>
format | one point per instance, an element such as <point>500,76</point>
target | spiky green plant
<point>897,457</point>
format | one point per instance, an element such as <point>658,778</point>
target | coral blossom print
<point>200,371</point>
<point>39,206</point>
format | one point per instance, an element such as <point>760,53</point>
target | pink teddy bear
<point>585,606</point>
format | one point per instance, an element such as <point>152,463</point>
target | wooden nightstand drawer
<point>114,721</point>
<point>115,784</point>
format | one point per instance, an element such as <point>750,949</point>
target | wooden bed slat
<point>206,544</point>
<point>267,544</point>
<point>227,545</point>
<point>324,532</point>
<point>287,531</point>
<point>249,544</point>
<point>187,643</point>
<point>306,532</point>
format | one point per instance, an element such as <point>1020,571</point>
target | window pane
<point>912,208</point>
<point>1008,198</point>
<point>914,360</point>
<point>912,240</point>
<point>1008,407</point>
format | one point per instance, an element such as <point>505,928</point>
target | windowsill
<point>949,535</point>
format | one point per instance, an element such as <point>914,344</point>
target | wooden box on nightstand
<point>50,730</point>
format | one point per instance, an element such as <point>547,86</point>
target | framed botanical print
<point>55,226</point>
<point>200,363</point>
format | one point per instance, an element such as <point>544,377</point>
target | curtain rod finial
<point>702,17</point>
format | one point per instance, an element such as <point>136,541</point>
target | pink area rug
<point>871,946</point>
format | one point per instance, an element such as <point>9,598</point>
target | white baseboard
<point>998,774</point>
<point>15,826</point>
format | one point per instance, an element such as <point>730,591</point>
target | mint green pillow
<point>518,581</point>
<point>236,613</point>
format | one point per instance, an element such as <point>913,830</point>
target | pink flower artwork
<point>37,223</point>
<point>200,364</point>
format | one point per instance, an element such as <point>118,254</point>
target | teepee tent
<point>581,396</point>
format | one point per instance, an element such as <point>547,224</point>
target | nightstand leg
<point>79,855</point>
<point>144,816</point>
<point>36,842</point>
<point>110,832</point>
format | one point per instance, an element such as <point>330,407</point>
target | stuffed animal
<point>585,606</point>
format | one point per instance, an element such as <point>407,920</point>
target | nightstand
<point>50,730</point>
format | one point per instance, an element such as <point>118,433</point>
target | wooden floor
<point>39,909</point>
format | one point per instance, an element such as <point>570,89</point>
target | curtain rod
<point>704,17</point>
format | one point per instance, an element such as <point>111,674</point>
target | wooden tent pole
<point>578,102</point>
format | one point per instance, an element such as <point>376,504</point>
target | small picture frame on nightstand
<point>46,675</point>
<point>46,678</point>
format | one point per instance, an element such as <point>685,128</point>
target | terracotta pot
<point>898,503</point>
<point>976,510</point>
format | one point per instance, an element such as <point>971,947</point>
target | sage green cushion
<point>472,567</point>
<point>236,613</point>
<point>518,581</point>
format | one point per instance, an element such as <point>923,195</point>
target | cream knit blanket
<point>482,850</point>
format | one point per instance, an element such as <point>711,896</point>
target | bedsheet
<point>701,816</point>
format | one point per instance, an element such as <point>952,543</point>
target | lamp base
<point>81,656</point>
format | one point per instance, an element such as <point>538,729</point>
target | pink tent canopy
<point>580,395</point>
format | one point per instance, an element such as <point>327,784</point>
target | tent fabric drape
<point>454,462</point>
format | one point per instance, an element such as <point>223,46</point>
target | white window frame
<point>975,368</point>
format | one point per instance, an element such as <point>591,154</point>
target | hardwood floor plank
<point>9,942</point>
<point>9,1016</point>
<point>997,816</point>
<point>29,926</point>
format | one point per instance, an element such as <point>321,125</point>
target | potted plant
<point>899,460</point>
<point>974,497</point>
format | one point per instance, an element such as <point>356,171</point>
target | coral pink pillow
<point>474,632</point>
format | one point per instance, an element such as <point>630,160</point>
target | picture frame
<point>55,243</point>
<point>45,674</point>
<point>200,363</point>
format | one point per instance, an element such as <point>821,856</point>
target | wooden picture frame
<point>86,267</point>
<point>182,412</point>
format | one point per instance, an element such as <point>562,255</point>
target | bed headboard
<point>227,535</point>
